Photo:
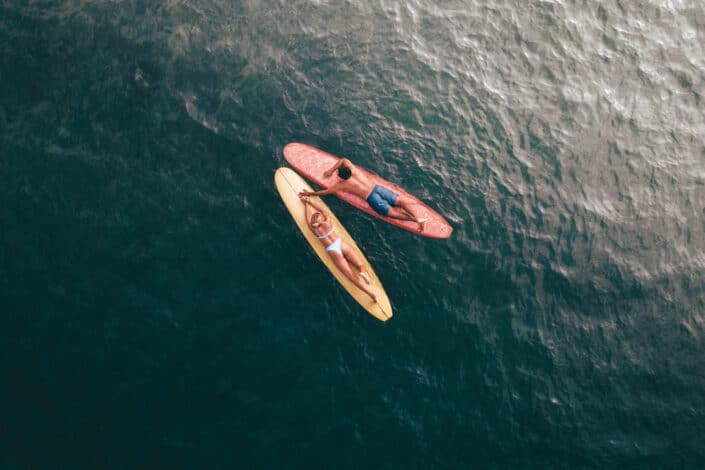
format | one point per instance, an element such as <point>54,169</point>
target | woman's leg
<point>354,259</point>
<point>343,265</point>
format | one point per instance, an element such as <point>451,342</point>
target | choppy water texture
<point>159,306</point>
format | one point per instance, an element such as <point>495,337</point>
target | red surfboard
<point>312,163</point>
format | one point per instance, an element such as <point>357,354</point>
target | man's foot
<point>422,224</point>
<point>374,296</point>
<point>365,277</point>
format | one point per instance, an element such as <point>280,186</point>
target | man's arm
<point>338,164</point>
<point>322,192</point>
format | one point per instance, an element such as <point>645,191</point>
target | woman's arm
<point>319,208</point>
<point>307,212</point>
<point>310,205</point>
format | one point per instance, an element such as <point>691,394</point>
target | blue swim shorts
<point>381,199</point>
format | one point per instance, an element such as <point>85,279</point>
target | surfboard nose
<point>292,147</point>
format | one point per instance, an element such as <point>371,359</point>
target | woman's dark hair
<point>344,172</point>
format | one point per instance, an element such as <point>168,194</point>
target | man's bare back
<point>358,183</point>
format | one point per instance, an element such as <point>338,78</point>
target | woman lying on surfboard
<point>340,252</point>
<point>383,200</point>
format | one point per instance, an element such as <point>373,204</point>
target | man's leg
<point>403,209</point>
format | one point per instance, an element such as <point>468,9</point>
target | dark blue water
<point>158,306</point>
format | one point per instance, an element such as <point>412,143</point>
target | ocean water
<point>158,306</point>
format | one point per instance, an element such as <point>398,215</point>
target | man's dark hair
<point>344,172</point>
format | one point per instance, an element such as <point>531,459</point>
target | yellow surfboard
<point>289,184</point>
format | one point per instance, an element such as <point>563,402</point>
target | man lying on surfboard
<point>340,252</point>
<point>382,199</point>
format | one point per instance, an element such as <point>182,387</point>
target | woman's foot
<point>365,277</point>
<point>422,223</point>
